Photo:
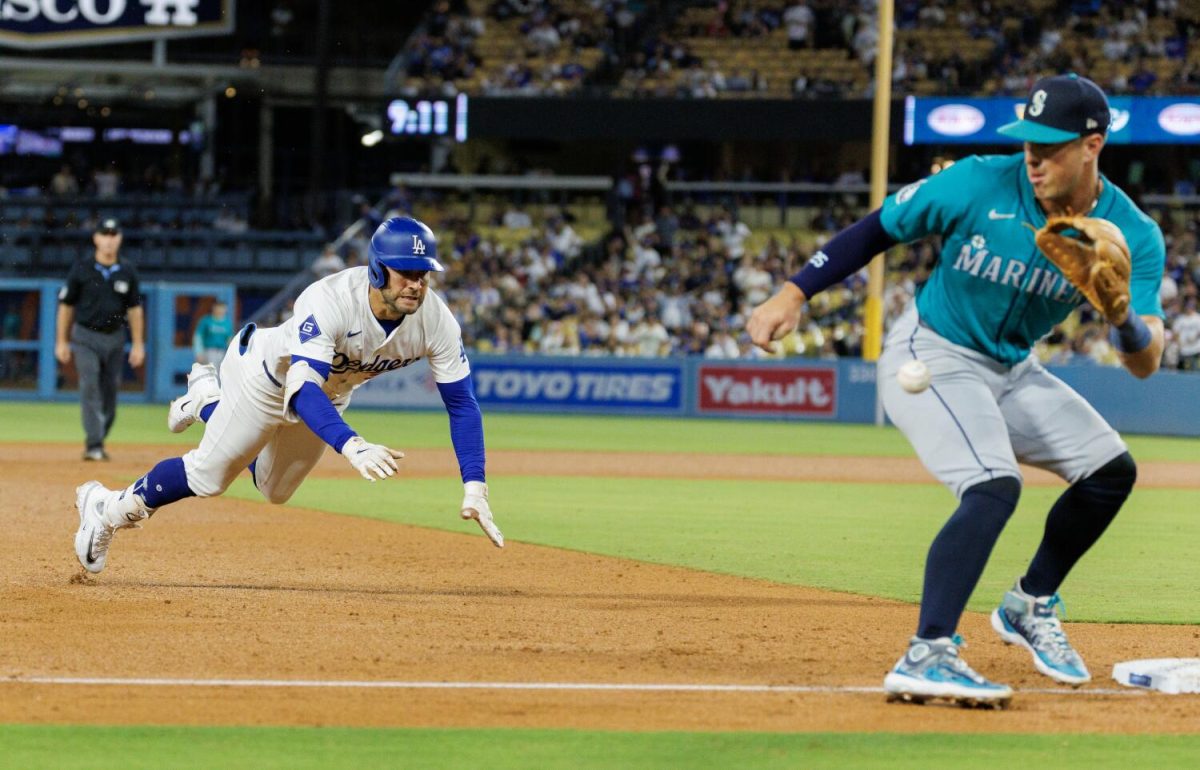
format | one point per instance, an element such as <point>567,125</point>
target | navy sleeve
<point>319,414</point>
<point>320,367</point>
<point>466,427</point>
<point>846,253</point>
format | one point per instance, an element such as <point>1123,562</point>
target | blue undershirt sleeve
<point>466,427</point>
<point>846,253</point>
<point>321,417</point>
<point>320,367</point>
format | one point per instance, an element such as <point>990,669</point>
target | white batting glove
<point>475,506</point>
<point>373,461</point>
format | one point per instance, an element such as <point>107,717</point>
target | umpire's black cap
<point>108,226</point>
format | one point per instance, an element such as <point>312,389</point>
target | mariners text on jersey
<point>991,289</point>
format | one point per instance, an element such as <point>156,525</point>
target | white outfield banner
<point>410,387</point>
<point>35,24</point>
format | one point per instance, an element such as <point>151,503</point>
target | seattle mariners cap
<point>1061,108</point>
<point>109,226</point>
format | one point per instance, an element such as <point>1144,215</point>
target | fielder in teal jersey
<point>992,290</point>
<point>990,404</point>
<point>213,333</point>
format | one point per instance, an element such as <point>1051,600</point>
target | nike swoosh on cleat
<point>354,334</point>
<point>91,559</point>
<point>185,403</point>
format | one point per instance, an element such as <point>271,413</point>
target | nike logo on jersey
<point>354,334</point>
<point>993,214</point>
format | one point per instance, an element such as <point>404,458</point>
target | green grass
<point>864,538</point>
<point>59,422</point>
<point>268,748</point>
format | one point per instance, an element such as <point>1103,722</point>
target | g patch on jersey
<point>309,329</point>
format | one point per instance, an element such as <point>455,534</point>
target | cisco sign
<point>956,120</point>
<point>33,24</point>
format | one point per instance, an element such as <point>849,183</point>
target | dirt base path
<point>234,590</point>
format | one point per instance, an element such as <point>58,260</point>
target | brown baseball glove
<point>1096,260</point>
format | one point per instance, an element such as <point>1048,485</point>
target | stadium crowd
<point>1129,47</point>
<point>684,283</point>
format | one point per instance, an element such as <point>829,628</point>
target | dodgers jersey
<point>333,323</point>
<point>991,289</point>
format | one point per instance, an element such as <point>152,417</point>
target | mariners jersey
<point>333,323</point>
<point>992,290</point>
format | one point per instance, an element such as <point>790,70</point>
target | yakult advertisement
<point>785,390</point>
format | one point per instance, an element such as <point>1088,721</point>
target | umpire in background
<point>100,296</point>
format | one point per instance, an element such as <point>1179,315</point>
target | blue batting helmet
<point>401,243</point>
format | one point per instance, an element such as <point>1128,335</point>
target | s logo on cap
<point>1037,103</point>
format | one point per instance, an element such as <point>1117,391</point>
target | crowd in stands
<point>685,281</point>
<point>150,202</point>
<point>515,47</point>
<point>805,48</point>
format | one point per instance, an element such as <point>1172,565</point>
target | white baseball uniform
<point>332,324</point>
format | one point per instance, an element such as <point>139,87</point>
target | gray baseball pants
<point>99,360</point>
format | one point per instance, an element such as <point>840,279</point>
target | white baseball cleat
<point>202,391</point>
<point>95,534</point>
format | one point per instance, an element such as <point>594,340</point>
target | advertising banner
<point>784,390</point>
<point>645,386</point>
<point>541,384</point>
<point>1135,120</point>
<point>31,24</point>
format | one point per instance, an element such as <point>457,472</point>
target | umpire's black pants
<point>100,360</point>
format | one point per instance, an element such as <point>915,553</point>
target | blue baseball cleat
<point>931,668</point>
<point>1032,622</point>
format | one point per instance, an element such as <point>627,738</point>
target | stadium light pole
<point>880,138</point>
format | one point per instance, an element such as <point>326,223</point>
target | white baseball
<point>913,376</point>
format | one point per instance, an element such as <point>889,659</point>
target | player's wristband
<point>1131,336</point>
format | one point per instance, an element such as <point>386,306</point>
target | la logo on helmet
<point>1037,103</point>
<point>418,246</point>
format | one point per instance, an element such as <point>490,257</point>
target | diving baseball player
<point>283,390</point>
<point>998,287</point>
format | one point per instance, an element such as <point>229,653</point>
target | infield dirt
<point>230,589</point>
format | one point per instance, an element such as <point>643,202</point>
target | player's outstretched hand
<point>776,318</point>
<point>373,461</point>
<point>475,506</point>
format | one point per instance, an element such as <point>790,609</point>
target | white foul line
<point>566,686</point>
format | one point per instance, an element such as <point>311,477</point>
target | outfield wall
<point>799,389</point>
<point>841,391</point>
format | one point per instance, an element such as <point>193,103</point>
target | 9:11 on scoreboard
<point>428,117</point>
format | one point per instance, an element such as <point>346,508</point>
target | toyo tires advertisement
<point>643,386</point>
